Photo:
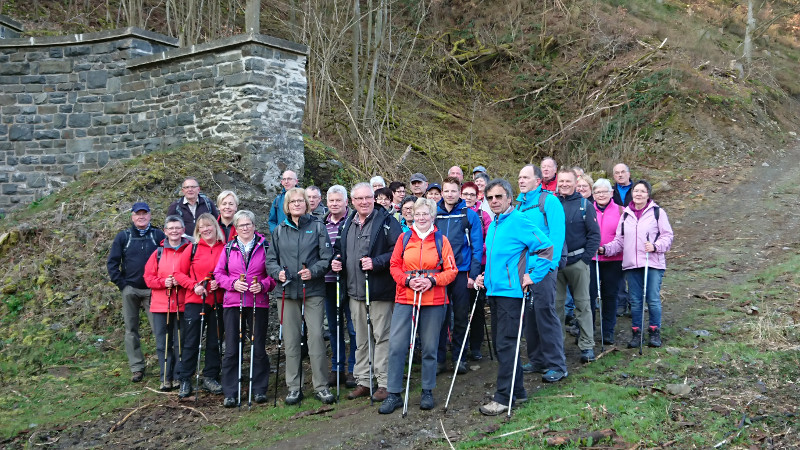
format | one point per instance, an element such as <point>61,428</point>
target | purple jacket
<point>636,232</point>
<point>608,221</point>
<point>235,266</point>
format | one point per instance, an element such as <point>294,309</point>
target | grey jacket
<point>293,246</point>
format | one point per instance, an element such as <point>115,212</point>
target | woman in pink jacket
<point>643,236</point>
<point>608,215</point>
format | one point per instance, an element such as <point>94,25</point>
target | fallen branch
<point>127,416</point>
<point>193,410</point>
<point>159,392</point>
<point>533,92</point>
<point>321,410</point>
<point>445,435</point>
<point>540,431</point>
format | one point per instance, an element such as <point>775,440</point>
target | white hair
<point>377,179</point>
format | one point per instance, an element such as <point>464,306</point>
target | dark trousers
<point>610,280</point>
<point>165,339</point>
<point>349,330</point>
<point>230,362</point>
<point>460,304</point>
<point>506,314</point>
<point>543,331</point>
<point>478,321</point>
<point>192,334</point>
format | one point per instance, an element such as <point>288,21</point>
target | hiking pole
<point>338,334</point>
<point>461,353</point>
<point>280,335</point>
<point>599,303</point>
<point>178,323</point>
<point>414,324</point>
<point>488,335</point>
<point>302,334</point>
<point>644,292</point>
<point>369,334</point>
<point>252,352</point>
<point>166,332</point>
<point>218,317</point>
<point>200,345</point>
<point>241,356</point>
<point>526,298</point>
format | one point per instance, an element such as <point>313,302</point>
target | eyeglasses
<point>498,197</point>
<point>361,199</point>
<point>420,215</point>
<point>296,201</point>
<point>602,192</point>
<point>244,226</point>
<point>191,187</point>
<point>174,228</point>
<point>408,209</point>
<point>468,194</point>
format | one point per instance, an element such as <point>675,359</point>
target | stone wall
<point>81,102</point>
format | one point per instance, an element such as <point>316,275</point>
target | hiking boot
<point>462,367</point>
<point>476,355</point>
<point>137,376</point>
<point>493,409</point>
<point>380,395</point>
<point>165,386</point>
<point>350,381</point>
<point>569,320</point>
<point>587,356</point>
<point>551,376</point>
<point>426,402</point>
<point>185,389</point>
<point>392,402</point>
<point>530,368</point>
<point>176,384</point>
<point>294,397</point>
<point>332,378</point>
<point>359,391</point>
<point>325,396</point>
<point>211,385</point>
<point>229,402</point>
<point>608,340</point>
<point>521,399</point>
<point>442,367</point>
<point>574,330</point>
<point>260,398</point>
<point>636,338</point>
<point>655,336</point>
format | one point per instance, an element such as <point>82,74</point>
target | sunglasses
<point>498,196</point>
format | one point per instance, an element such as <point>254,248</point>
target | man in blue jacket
<point>543,331</point>
<point>463,229</point>
<point>276,214</point>
<point>519,256</point>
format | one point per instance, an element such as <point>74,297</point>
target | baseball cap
<point>434,186</point>
<point>418,177</point>
<point>479,169</point>
<point>139,206</point>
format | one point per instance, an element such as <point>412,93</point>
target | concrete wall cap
<point>100,36</point>
<point>11,23</point>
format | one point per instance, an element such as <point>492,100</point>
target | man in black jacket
<point>364,248</point>
<point>622,195</point>
<point>582,238</point>
<point>129,253</point>
<point>191,205</point>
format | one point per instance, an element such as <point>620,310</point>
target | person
<point>549,172</point>
<point>398,189</point>
<point>582,238</point>
<point>337,205</point>
<point>377,182</point>
<point>228,203</point>
<point>315,206</point>
<point>512,234</point>
<point>276,214</point>
<point>608,215</point>
<point>477,170</point>
<point>622,196</point>
<point>167,301</point>
<point>648,232</point>
<point>129,253</point>
<point>579,172</point>
<point>434,192</point>
<point>407,213</point>
<point>301,254</point>
<point>456,172</point>
<point>245,255</point>
<point>200,298</point>
<point>363,250</point>
<point>383,197</point>
<point>421,275</point>
<point>419,184</point>
<point>462,227</point>
<point>481,180</point>
<point>191,205</point>
<point>583,186</point>
<point>469,192</point>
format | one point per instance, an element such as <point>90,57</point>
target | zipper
<point>497,222</point>
<point>508,273</point>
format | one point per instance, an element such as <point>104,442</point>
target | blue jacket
<point>276,214</point>
<point>554,226</point>
<point>467,242</point>
<point>515,245</point>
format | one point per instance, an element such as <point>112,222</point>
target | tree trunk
<point>355,59</point>
<point>252,16</point>
<point>748,34</point>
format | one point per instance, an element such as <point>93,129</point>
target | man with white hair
<point>456,172</point>
<point>549,171</point>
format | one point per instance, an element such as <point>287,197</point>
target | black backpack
<point>656,213</point>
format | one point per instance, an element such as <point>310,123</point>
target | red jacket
<point>423,255</point>
<point>156,273</point>
<point>551,185</point>
<point>204,262</point>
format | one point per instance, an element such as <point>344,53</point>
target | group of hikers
<point>398,276</point>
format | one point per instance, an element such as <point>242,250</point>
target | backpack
<point>437,239</point>
<point>229,247</point>
<point>202,197</point>
<point>656,213</point>
<point>562,262</point>
<point>128,244</point>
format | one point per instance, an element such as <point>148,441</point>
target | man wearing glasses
<point>191,205</point>
<point>276,214</point>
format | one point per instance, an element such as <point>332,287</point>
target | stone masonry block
<point>79,120</point>
<point>96,79</point>
<point>55,66</point>
<point>20,132</point>
<point>15,68</point>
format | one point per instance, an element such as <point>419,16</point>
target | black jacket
<point>129,253</point>
<point>308,244</point>
<point>204,205</point>
<point>618,198</point>
<point>385,232</point>
<point>581,231</point>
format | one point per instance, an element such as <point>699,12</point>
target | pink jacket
<point>637,231</point>
<point>228,271</point>
<point>608,221</point>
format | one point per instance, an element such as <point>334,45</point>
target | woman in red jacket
<point>201,298</point>
<point>167,297</point>
<point>421,270</point>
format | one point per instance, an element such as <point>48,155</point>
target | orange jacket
<point>204,262</point>
<point>156,273</point>
<point>422,255</point>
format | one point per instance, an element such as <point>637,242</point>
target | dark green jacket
<point>294,245</point>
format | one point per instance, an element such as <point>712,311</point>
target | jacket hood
<point>440,206</point>
<point>575,195</point>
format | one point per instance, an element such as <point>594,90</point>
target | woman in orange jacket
<point>167,297</point>
<point>422,265</point>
